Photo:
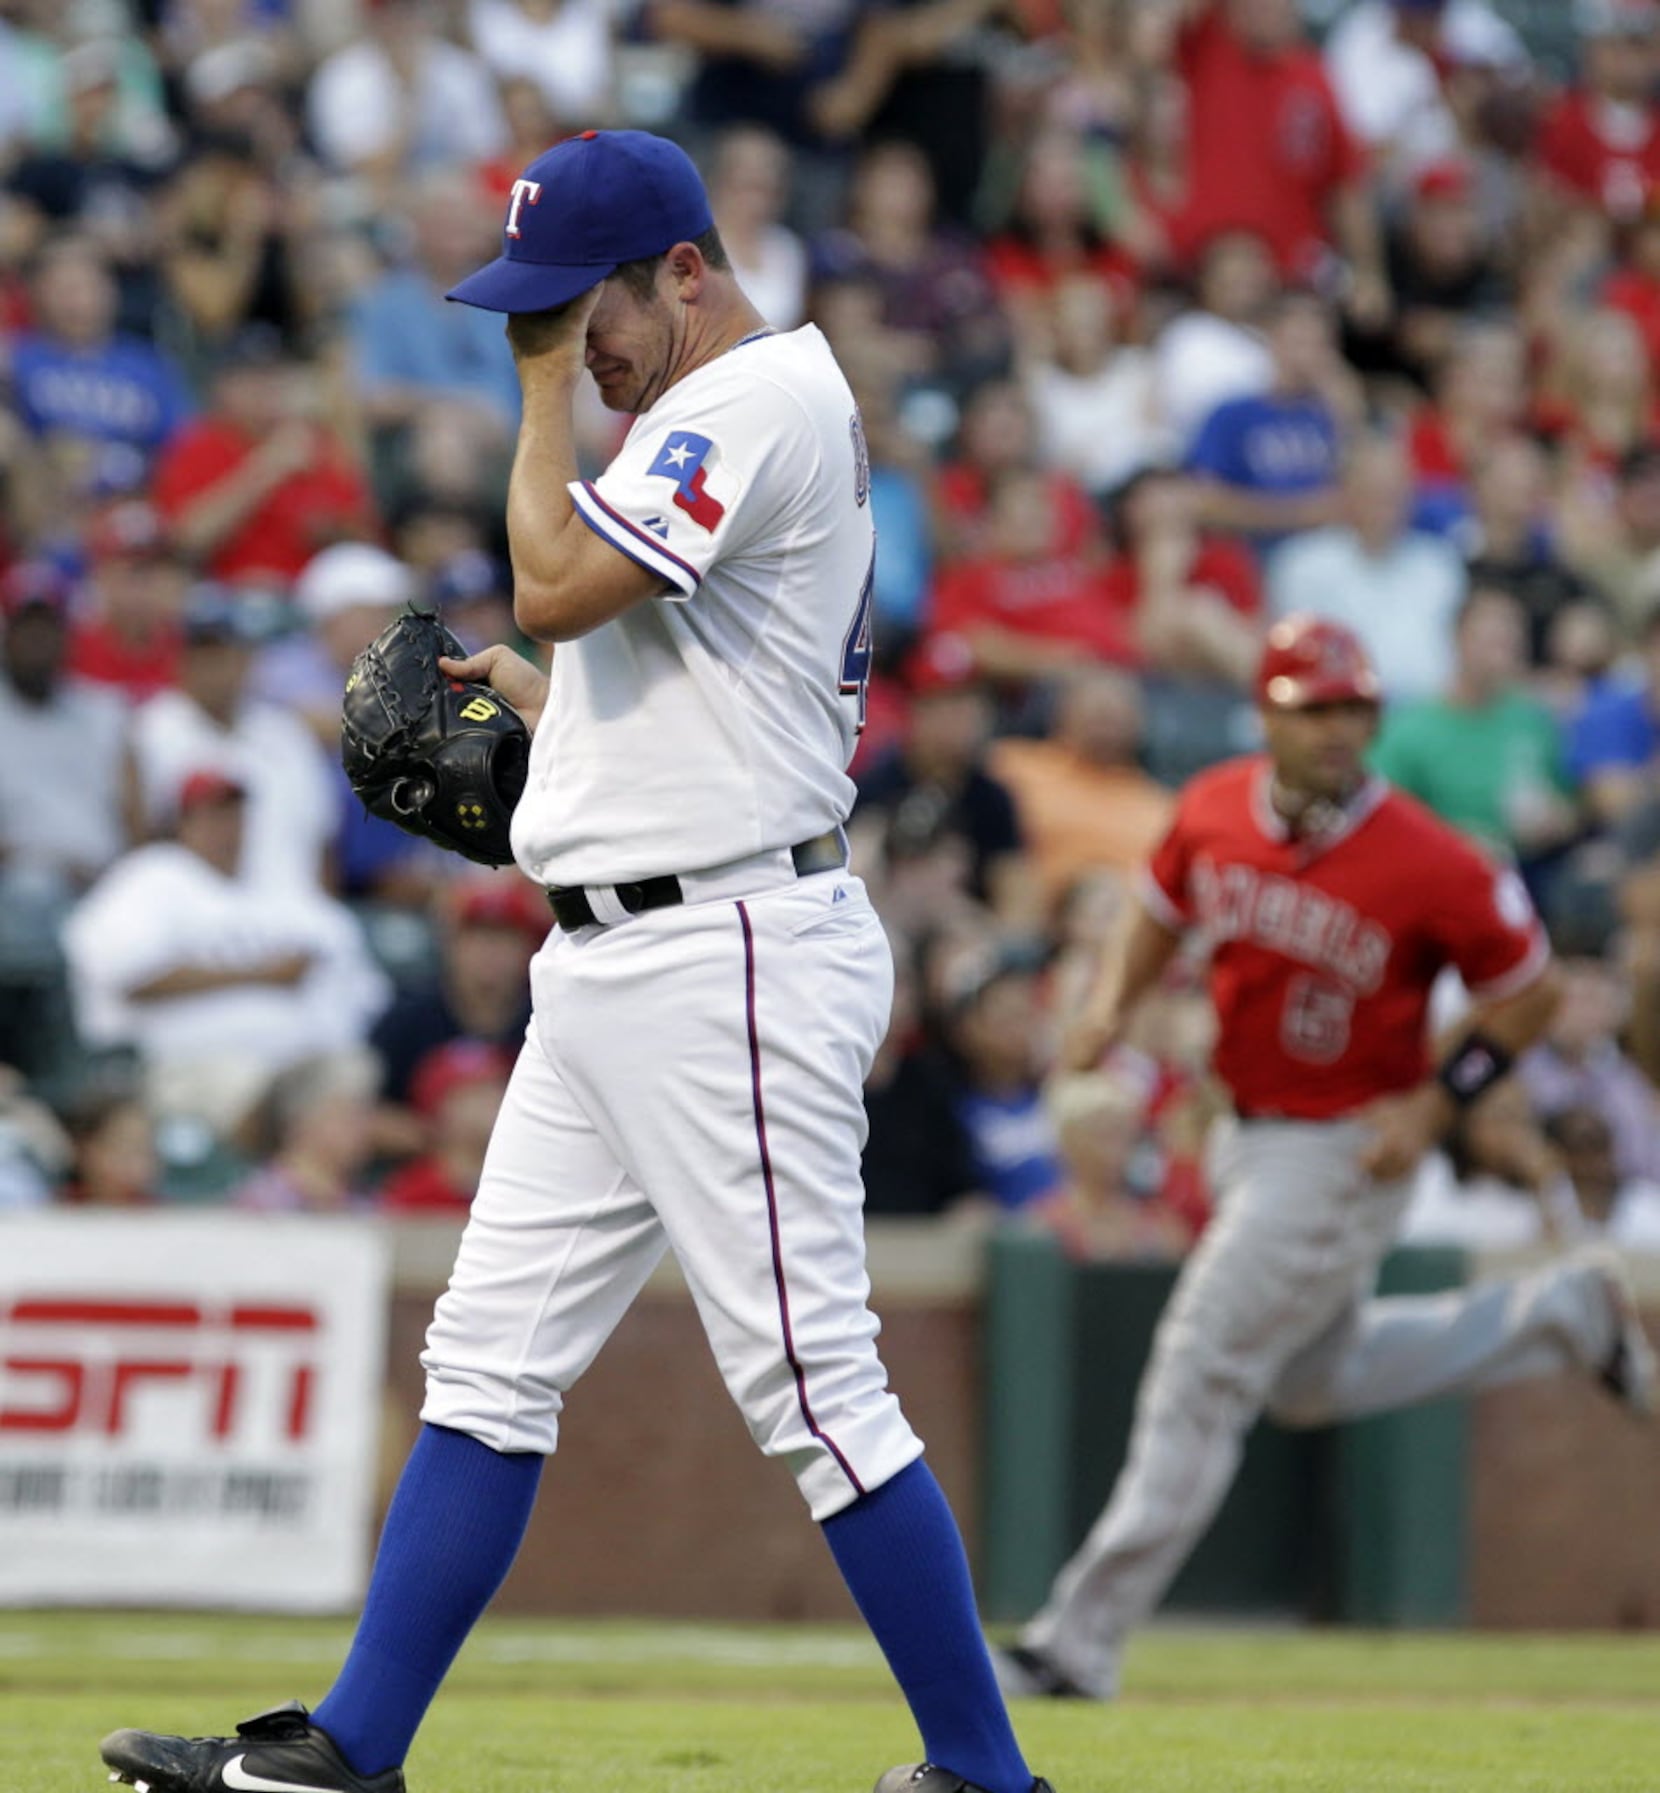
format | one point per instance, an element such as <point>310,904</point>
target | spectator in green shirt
<point>1487,755</point>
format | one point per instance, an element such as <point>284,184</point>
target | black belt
<point>571,909</point>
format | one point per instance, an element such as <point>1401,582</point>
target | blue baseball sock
<point>454,1527</point>
<point>901,1555</point>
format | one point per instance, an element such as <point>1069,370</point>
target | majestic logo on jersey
<point>861,459</point>
<point>1237,902</point>
<point>657,526</point>
<point>681,459</point>
<point>524,193</point>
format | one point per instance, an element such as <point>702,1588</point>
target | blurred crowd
<point>1166,318</point>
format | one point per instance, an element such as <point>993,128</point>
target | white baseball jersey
<point>692,1077</point>
<point>717,722</point>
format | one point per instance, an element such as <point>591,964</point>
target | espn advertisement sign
<point>189,1409</point>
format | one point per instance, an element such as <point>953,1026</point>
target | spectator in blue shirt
<point>899,508</point>
<point>115,398</point>
<point>411,347</point>
<point>1614,741</point>
<point>993,1028</point>
<point>1267,465</point>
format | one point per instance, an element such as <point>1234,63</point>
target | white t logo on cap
<point>522,190</point>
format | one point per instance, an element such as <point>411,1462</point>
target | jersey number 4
<point>857,647</point>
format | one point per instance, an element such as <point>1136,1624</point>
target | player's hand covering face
<point>626,342</point>
<point>531,334</point>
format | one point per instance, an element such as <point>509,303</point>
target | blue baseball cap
<point>581,210</point>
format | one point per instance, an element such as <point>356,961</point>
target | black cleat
<point>280,1751</point>
<point>923,1777</point>
<point>1027,1674</point>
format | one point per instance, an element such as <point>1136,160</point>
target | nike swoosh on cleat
<point>235,1776</point>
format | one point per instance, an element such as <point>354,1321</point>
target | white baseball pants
<point>1273,1311</point>
<point>692,1079</point>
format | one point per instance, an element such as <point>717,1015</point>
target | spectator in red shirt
<point>1027,606</point>
<point>1634,287</point>
<point>1268,150</point>
<point>131,636</point>
<point>457,1090</point>
<point>532,126</point>
<point>1600,144</point>
<point>999,435</point>
<point>1480,398</point>
<point>1189,601</point>
<point>1057,229</point>
<point>1114,90</point>
<point>254,488</point>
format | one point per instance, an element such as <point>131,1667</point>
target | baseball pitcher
<point>707,1008</point>
<point>1330,903</point>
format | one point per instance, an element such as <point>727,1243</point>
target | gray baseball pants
<point>1274,1312</point>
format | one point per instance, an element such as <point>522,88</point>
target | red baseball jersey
<point>1267,147</point>
<point>1324,950</point>
<point>1611,159</point>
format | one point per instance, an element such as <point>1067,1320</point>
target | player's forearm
<point>844,106</point>
<point>201,980</point>
<point>1226,507</point>
<point>1471,1061</point>
<point>1183,626</point>
<point>1515,1023</point>
<point>539,507</point>
<point>1148,948</point>
<point>1473,1055</point>
<point>205,523</point>
<point>1130,969</point>
<point>723,30</point>
<point>1008,654</point>
<point>924,31</point>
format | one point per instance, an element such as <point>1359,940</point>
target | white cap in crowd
<point>348,575</point>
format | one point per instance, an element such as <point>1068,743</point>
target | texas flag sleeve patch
<point>681,459</point>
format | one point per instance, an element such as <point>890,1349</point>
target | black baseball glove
<point>441,759</point>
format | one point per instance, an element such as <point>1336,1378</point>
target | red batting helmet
<point>1309,660</point>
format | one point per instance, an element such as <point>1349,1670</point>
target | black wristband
<point>1473,1067</point>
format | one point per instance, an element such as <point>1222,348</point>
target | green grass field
<point>633,1708</point>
